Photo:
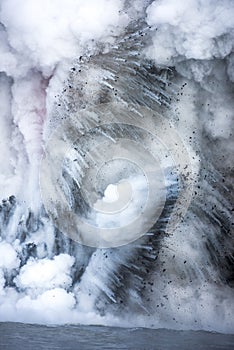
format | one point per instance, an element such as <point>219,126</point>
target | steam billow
<point>116,171</point>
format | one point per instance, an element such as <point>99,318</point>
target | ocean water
<point>20,336</point>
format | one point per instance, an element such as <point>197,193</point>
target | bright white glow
<point>111,194</point>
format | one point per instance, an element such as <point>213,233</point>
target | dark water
<point>19,336</point>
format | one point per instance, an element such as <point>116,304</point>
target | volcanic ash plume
<point>116,163</point>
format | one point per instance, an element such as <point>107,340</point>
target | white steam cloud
<point>193,29</point>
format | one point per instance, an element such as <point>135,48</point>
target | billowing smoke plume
<point>62,56</point>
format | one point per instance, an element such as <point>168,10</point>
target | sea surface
<point>20,336</point>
